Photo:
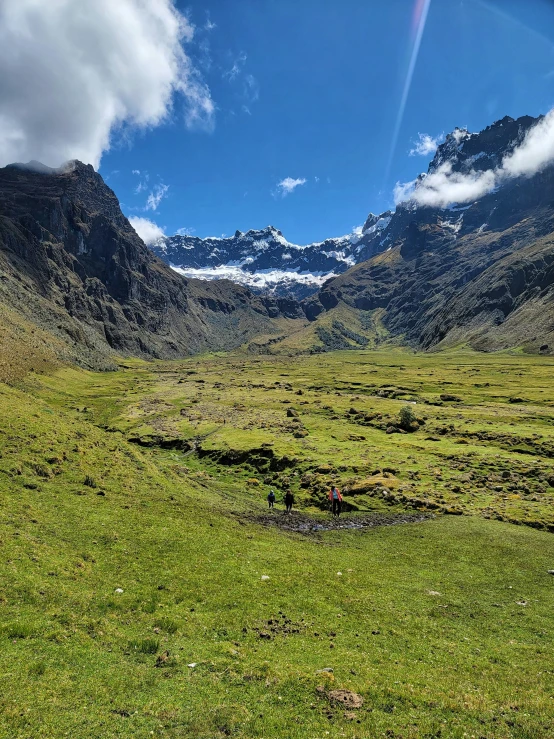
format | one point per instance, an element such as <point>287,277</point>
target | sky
<point>211,116</point>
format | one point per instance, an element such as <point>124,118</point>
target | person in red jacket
<point>336,500</point>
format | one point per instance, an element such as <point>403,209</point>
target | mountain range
<point>266,262</point>
<point>78,284</point>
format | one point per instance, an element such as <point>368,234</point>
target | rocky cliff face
<point>480,272</point>
<point>71,263</point>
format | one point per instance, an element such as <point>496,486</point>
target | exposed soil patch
<point>279,626</point>
<point>346,698</point>
<point>305,524</point>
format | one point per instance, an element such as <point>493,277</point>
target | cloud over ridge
<point>444,186</point>
<point>146,229</point>
<point>425,145</point>
<point>73,72</point>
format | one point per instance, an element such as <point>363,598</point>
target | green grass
<point>443,627</point>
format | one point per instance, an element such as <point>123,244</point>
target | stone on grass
<point>265,577</point>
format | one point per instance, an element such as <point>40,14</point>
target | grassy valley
<point>144,591</point>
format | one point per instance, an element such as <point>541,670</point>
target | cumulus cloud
<point>288,185</point>
<point>445,186</point>
<point>156,197</point>
<point>146,229</point>
<point>73,72</point>
<point>425,145</point>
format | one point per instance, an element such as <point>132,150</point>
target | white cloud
<point>238,64</point>
<point>185,231</point>
<point>156,197</point>
<point>535,152</point>
<point>71,73</point>
<point>426,145</point>
<point>246,85</point>
<point>445,186</point>
<point>146,229</point>
<point>204,56</point>
<point>289,184</point>
<point>143,182</point>
<point>316,178</point>
<point>251,88</point>
<point>460,134</point>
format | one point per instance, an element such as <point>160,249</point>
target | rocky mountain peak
<point>467,151</point>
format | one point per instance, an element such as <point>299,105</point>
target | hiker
<point>271,499</point>
<point>289,501</point>
<point>336,500</point>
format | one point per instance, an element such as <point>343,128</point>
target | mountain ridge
<point>265,261</point>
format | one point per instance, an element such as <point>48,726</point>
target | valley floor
<point>143,593</point>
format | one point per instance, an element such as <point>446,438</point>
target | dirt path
<point>304,524</point>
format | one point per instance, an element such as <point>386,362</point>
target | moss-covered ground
<point>132,602</point>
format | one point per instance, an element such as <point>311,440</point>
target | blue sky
<point>311,90</point>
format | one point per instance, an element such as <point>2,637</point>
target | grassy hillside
<point>131,591</point>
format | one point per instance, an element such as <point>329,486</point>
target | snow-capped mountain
<point>266,262</point>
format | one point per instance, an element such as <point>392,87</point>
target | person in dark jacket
<point>336,500</point>
<point>289,501</point>
<point>271,498</point>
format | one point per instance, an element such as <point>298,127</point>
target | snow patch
<point>453,226</point>
<point>262,279</point>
